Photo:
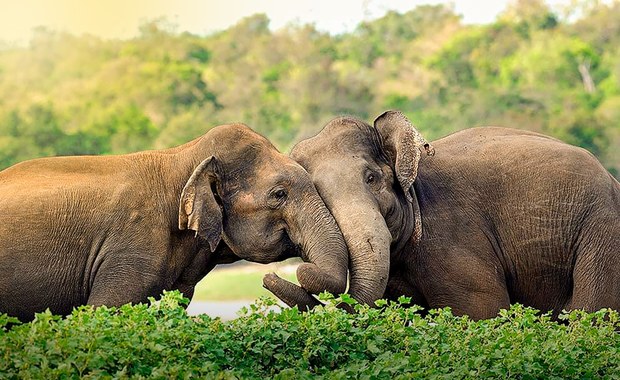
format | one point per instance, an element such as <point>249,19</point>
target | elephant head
<point>365,176</point>
<point>248,198</point>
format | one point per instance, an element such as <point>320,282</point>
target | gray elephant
<point>109,230</point>
<point>497,216</point>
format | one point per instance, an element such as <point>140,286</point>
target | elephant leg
<point>596,276</point>
<point>119,283</point>
<point>112,291</point>
<point>186,289</point>
<point>470,283</point>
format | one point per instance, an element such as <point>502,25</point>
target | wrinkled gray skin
<point>507,216</point>
<point>108,230</point>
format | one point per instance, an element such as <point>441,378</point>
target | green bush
<point>161,341</point>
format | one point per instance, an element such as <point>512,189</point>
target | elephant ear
<point>198,209</point>
<point>403,145</point>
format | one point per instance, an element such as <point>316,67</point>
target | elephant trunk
<point>322,247</point>
<point>368,239</point>
<point>369,246</point>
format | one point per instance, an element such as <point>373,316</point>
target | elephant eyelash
<point>373,176</point>
<point>277,197</point>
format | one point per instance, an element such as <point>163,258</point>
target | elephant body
<point>511,216</point>
<point>108,230</point>
<point>496,216</point>
<point>81,230</point>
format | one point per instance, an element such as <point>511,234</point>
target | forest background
<point>532,68</point>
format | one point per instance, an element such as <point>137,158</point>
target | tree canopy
<point>531,68</point>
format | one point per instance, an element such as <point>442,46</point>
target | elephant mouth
<point>289,249</point>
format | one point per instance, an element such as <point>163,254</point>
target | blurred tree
<point>530,15</point>
<point>531,69</point>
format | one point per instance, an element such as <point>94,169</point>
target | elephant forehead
<point>338,140</point>
<point>279,167</point>
<point>250,163</point>
<point>346,155</point>
<point>238,147</point>
<point>237,136</point>
<point>271,171</point>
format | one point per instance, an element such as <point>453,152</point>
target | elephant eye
<point>277,197</point>
<point>280,194</point>
<point>370,178</point>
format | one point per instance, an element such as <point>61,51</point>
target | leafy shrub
<point>161,341</point>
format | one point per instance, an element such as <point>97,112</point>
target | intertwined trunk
<point>322,247</point>
<point>368,240</point>
<point>313,229</point>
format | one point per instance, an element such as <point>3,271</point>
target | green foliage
<point>390,341</point>
<point>533,69</point>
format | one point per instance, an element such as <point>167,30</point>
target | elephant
<point>497,216</point>
<point>111,230</point>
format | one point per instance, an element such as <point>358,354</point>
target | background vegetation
<point>162,341</point>
<point>557,73</point>
<point>242,281</point>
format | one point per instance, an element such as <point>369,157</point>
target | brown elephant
<point>497,216</point>
<point>109,230</point>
